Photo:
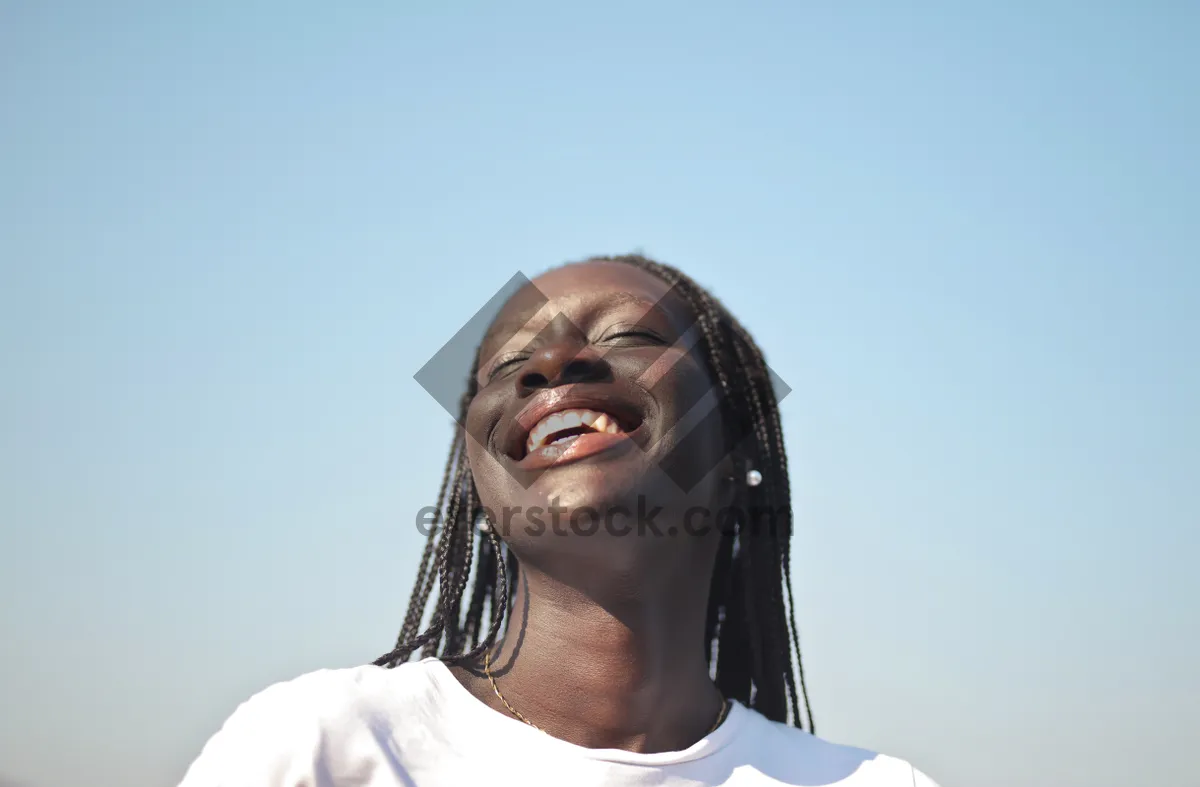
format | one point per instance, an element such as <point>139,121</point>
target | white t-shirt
<point>417,726</point>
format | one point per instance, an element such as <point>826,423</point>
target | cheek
<point>497,491</point>
<point>693,444</point>
<point>489,476</point>
<point>477,423</point>
<point>684,390</point>
<point>670,362</point>
<point>483,415</point>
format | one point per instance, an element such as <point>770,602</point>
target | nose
<point>560,363</point>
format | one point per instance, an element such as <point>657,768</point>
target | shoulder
<point>795,756</point>
<point>295,721</point>
<point>330,693</point>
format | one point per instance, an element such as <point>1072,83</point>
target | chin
<point>595,487</point>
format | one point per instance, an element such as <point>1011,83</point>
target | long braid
<point>451,535</point>
<point>751,636</point>
<point>416,605</point>
<point>769,435</point>
<point>783,539</point>
<point>459,575</point>
<point>485,578</point>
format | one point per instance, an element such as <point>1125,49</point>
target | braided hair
<point>750,634</point>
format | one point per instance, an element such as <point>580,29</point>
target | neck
<point>628,674</point>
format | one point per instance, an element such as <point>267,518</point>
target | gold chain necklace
<point>487,670</point>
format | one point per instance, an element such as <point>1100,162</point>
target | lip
<point>582,447</point>
<point>626,407</point>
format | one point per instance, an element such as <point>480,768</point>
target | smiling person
<point>614,601</point>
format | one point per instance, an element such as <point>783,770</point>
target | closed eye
<point>507,363</point>
<point>628,335</point>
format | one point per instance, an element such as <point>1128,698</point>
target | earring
<point>753,478</point>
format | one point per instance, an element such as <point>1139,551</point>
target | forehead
<point>600,276</point>
<point>581,288</point>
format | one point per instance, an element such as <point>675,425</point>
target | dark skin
<point>605,646</point>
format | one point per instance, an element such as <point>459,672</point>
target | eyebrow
<point>629,299</point>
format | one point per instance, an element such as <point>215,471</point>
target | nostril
<point>534,380</point>
<point>577,368</point>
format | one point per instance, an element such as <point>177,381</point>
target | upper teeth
<point>568,419</point>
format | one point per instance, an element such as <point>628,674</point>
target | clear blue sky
<point>965,233</point>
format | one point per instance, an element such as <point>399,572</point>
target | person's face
<point>582,380</point>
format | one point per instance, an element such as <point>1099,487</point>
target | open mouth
<point>570,423</point>
<point>558,430</point>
